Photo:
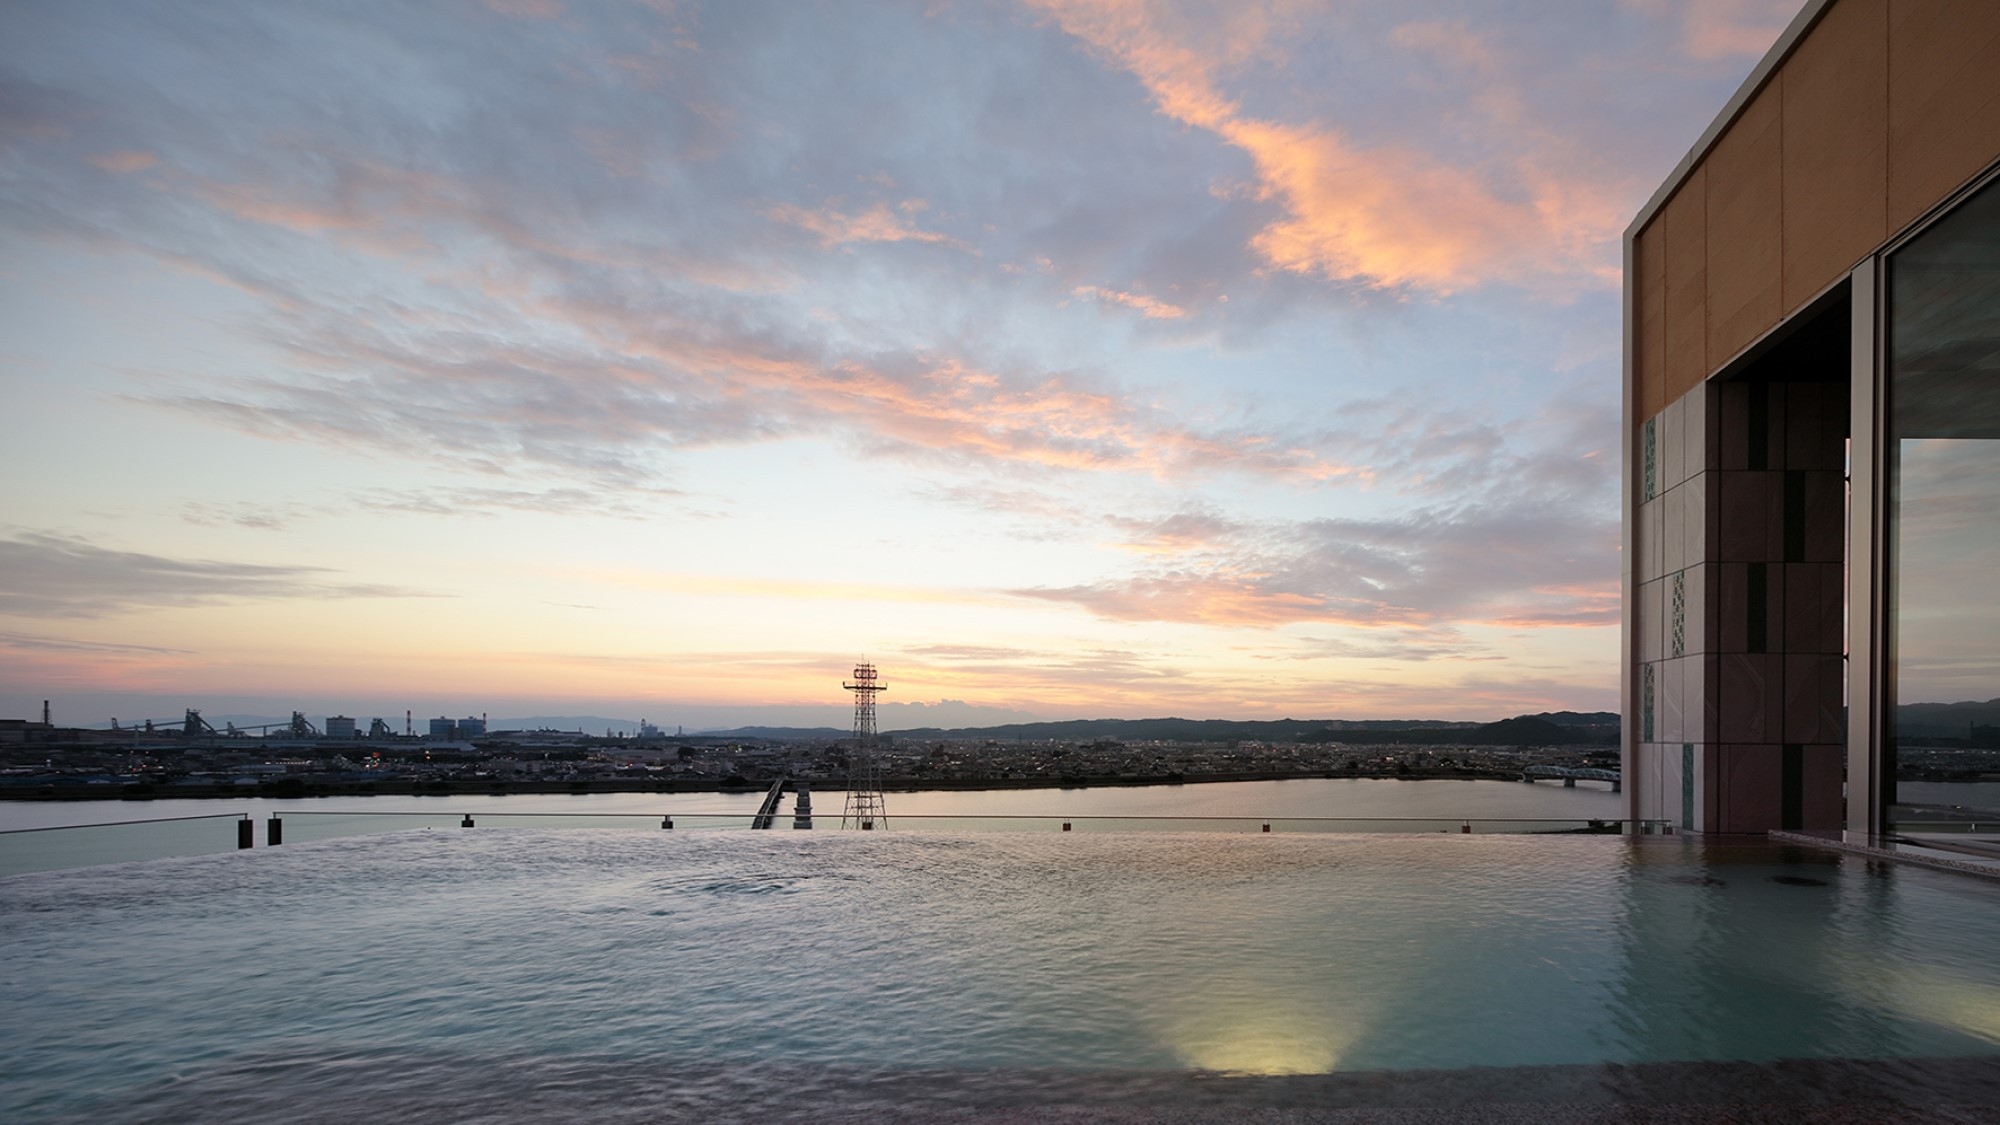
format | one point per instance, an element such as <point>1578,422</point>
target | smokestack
<point>45,713</point>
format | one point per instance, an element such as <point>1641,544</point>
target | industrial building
<point>1812,402</point>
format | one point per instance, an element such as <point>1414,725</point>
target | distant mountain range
<point>1946,720</point>
<point>1949,721</point>
<point>1546,729</point>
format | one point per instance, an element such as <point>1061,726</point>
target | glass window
<point>1944,528</point>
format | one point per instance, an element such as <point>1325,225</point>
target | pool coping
<point>1894,850</point>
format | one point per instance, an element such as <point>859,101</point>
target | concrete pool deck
<point>1895,850</point>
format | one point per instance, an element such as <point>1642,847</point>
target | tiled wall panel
<point>1752,787</point>
<point>1669,783</point>
<point>1825,770</point>
<point>1646,768</point>
<point>1751,696</point>
<point>1814,421</point>
<point>1752,516</point>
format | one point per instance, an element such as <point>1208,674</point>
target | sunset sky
<point>1234,359</point>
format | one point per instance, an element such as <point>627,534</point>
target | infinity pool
<point>533,974</point>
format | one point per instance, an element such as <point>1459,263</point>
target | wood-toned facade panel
<point>1882,109</point>
<point>1745,238</point>
<point>1836,148</point>
<point>1649,269</point>
<point>1684,227</point>
<point>1944,99</point>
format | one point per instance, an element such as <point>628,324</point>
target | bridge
<point>1570,775</point>
<point>767,813</point>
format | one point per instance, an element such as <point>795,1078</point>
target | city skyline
<point>1063,359</point>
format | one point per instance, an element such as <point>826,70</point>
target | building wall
<point>1739,618</point>
<point>1865,117</point>
<point>1880,110</point>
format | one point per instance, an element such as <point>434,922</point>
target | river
<point>1303,804</point>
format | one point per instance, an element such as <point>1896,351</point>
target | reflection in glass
<point>1944,457</point>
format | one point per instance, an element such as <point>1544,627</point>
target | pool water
<point>601,972</point>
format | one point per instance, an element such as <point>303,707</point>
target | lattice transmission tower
<point>864,807</point>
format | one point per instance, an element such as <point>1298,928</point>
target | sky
<point>1063,358</point>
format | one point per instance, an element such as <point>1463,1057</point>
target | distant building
<point>24,730</point>
<point>1812,426</point>
<point>441,728</point>
<point>470,727</point>
<point>339,726</point>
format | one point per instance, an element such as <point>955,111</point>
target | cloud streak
<point>54,576</point>
<point>876,224</point>
<point>1494,537</point>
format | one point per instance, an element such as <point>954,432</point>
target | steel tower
<point>864,781</point>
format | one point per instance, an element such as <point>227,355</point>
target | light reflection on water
<point>984,954</point>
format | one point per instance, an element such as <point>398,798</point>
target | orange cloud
<point>955,408</point>
<point>1387,215</point>
<point>877,224</point>
<point>1149,307</point>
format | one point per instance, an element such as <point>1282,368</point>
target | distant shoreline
<point>292,787</point>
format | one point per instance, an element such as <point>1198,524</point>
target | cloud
<point>1520,565</point>
<point>808,590</point>
<point>876,224</point>
<point>526,9</point>
<point>461,303</point>
<point>473,501</point>
<point>1413,645</point>
<point>972,652</point>
<point>55,576</point>
<point>245,514</point>
<point>1717,29</point>
<point>1148,307</point>
<point>493,501</point>
<point>69,645</point>
<point>1492,535</point>
<point>125,161</point>
<point>1381,214</point>
<point>1179,533</point>
<point>1099,679</point>
<point>613,389</point>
